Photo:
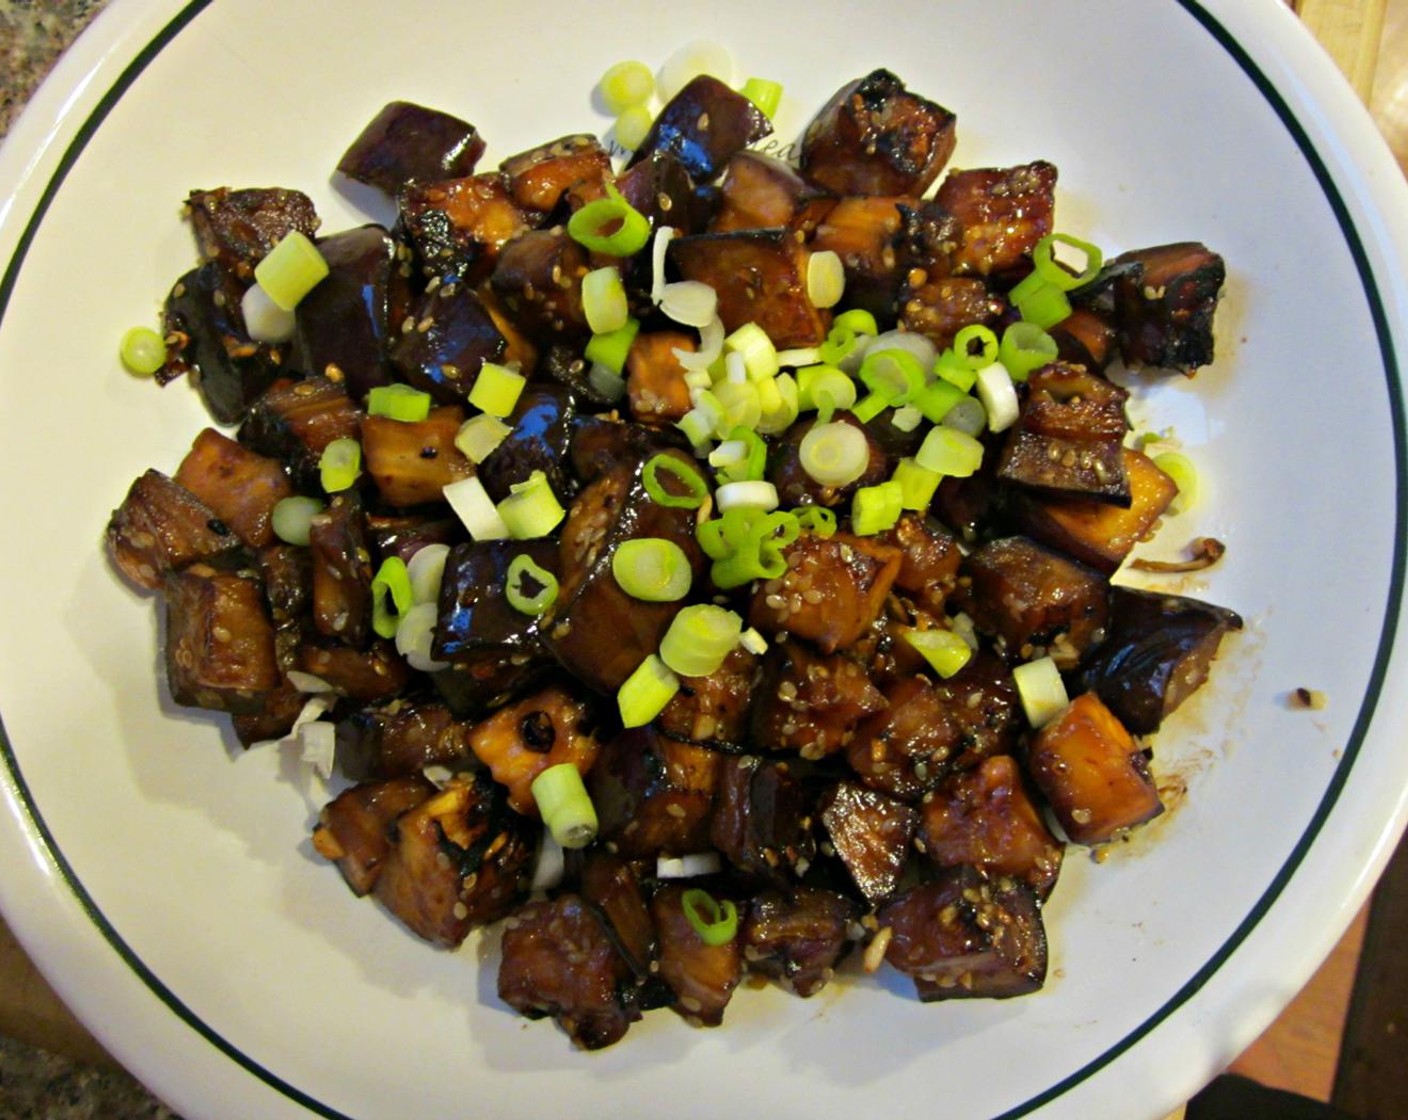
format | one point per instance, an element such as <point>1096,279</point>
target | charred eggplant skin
<point>406,142</point>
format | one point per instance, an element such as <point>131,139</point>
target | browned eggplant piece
<point>654,795</point>
<point>542,424</point>
<point>344,324</point>
<point>713,710</point>
<point>972,507</point>
<point>662,190</point>
<point>875,137</point>
<point>703,126</point>
<point>401,737</point>
<point>342,570</point>
<point>1068,440</point>
<point>598,632</point>
<point>520,741</point>
<point>1095,532</point>
<point>1033,601</point>
<point>938,308</point>
<point>929,560</point>
<point>538,278</point>
<point>1166,298</point>
<point>871,834</point>
<point>1092,772</point>
<point>1084,338</point>
<point>219,641</point>
<point>760,276</point>
<point>702,977</point>
<point>929,236</point>
<point>1003,213</point>
<point>205,334</point>
<point>984,817</point>
<point>762,822</point>
<point>366,676</point>
<point>558,958</point>
<point>602,444</point>
<point>763,192</point>
<point>354,829</point>
<point>963,936</point>
<point>445,341</point>
<point>274,720</point>
<point>161,527</point>
<point>655,384</point>
<point>406,142</point>
<point>833,590</point>
<point>459,226</point>
<point>609,884</point>
<point>1156,653</point>
<point>240,485</point>
<point>908,745</point>
<point>287,573</point>
<point>403,533</point>
<point>795,487</point>
<point>981,701</point>
<point>458,860</point>
<point>798,936</point>
<point>412,461</point>
<point>237,228</point>
<point>295,420</point>
<point>810,702</point>
<point>539,178</point>
<point>864,231</point>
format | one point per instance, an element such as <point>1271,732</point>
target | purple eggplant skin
<point>444,342</point>
<point>407,143</point>
<point>237,228</point>
<point>542,423</point>
<point>703,126</point>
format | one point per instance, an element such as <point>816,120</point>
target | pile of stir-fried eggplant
<point>849,793</point>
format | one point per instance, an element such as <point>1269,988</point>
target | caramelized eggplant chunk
<point>1092,772</point>
<point>240,485</point>
<point>412,461</point>
<point>295,420</point>
<point>964,936</point>
<point>399,737</point>
<point>541,435</point>
<point>938,308</point>
<point>344,323</point>
<point>981,701</point>
<point>539,178</point>
<point>653,794</point>
<point>519,742</point>
<point>763,192</point>
<point>1033,601</point>
<point>445,341</point>
<point>1092,531</point>
<point>762,822</point>
<point>538,278</point>
<point>354,829</point>
<point>929,236</point>
<point>798,936</point>
<point>870,834</point>
<point>929,560</point>
<point>1166,298</point>
<point>655,384</point>
<point>219,642</point>
<point>275,718</point>
<point>1157,652</point>
<point>1003,213</point>
<point>665,194</point>
<point>237,228</point>
<point>810,702</point>
<point>833,590</point>
<point>760,276</point>
<point>602,444</point>
<point>702,977</point>
<point>1068,440</point>
<point>863,231</point>
<point>609,884</point>
<point>875,137</point>
<point>713,710</point>
<point>704,126</point>
<point>406,142</point>
<point>598,632</point>
<point>287,572</point>
<point>559,959</point>
<point>795,487</point>
<point>1085,338</point>
<point>161,527</point>
<point>458,860</point>
<point>366,676</point>
<point>342,570</point>
<point>907,746</point>
<point>458,227</point>
<point>984,817</point>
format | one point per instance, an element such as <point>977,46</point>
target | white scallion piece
<point>753,642</point>
<point>318,747</point>
<point>691,60</point>
<point>474,507</point>
<point>1042,691</point>
<point>308,683</point>
<point>549,865</point>
<point>691,302</point>
<point>757,494</point>
<point>910,341</point>
<point>688,867</point>
<point>798,358</point>
<point>414,634</point>
<point>999,396</point>
<point>606,381</point>
<point>907,418</point>
<point>826,278</point>
<point>735,368</point>
<point>265,320</point>
<point>658,248</point>
<point>426,568</point>
<point>479,435</point>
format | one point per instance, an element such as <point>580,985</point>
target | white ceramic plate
<point>164,881</point>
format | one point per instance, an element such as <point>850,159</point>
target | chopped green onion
<point>746,543</point>
<point>818,520</point>
<point>1180,468</point>
<point>496,390</point>
<point>290,270</point>
<point>742,403</point>
<point>264,320</point>
<point>999,397</point>
<point>606,382</point>
<point>633,126</point>
<point>475,509</point>
<point>479,435</point>
<point>698,425</point>
<point>798,357</point>
<point>781,404</point>
<point>691,302</point>
<point>1041,689</point>
<point>944,650</point>
<point>626,84</point>
<point>953,369</point>
<point>610,349</point>
<point>715,922</point>
<point>759,354</point>
<point>937,400</point>
<point>906,418</point>
<point>869,407</point>
<point>948,451</point>
<point>834,454</point>
<point>699,639</point>
<point>895,375</point>
<point>876,508</point>
<point>398,402</point>
<point>857,321</point>
<point>1054,272</point>
<point>340,464</point>
<point>652,569</point>
<point>766,95</point>
<point>814,382</point>
<point>1039,301</point>
<point>917,484</point>
<point>392,582</point>
<point>751,463</point>
<point>1026,347</point>
<point>752,493</point>
<point>826,278</point>
<point>610,225</point>
<point>975,334</point>
<point>143,351</point>
<point>695,488</point>
<point>531,509</point>
<point>415,637</point>
<point>753,642</point>
<point>522,569</point>
<point>604,300</point>
<point>646,692</point>
<point>840,342</point>
<point>426,567</point>
<point>565,806</point>
<point>967,416</point>
<point>292,518</point>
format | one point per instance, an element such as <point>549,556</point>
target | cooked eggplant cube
<point>365,676</point>
<point>406,142</point>
<point>810,702</point>
<point>655,378</point>
<point>702,977</point>
<point>875,137</point>
<point>401,737</point>
<point>458,226</point>
<point>1002,212</point>
<point>1166,298</point>
<point>713,709</point>
<point>354,829</point>
<point>864,231</point>
<point>871,834</point>
<point>342,570</point>
<point>703,126</point>
<point>240,485</point>
<point>237,228</point>
<point>663,191</point>
<point>762,821</point>
<point>412,461</point>
<point>287,572</point>
<point>938,308</point>
<point>1085,338</point>
<point>609,883</point>
<point>798,936</point>
<point>295,421</point>
<point>444,343</point>
<point>908,743</point>
<point>929,560</point>
<point>219,641</point>
<point>542,424</point>
<point>538,278</point>
<point>763,192</point>
<point>161,527</point>
<point>654,795</point>
<point>540,178</point>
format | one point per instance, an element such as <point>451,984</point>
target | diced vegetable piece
<point>763,192</point>
<point>1003,212</point>
<point>406,143</point>
<point>363,676</point>
<point>1042,690</point>
<point>703,126</point>
<point>1166,298</point>
<point>655,379</point>
<point>445,342</point>
<point>354,829</point>
<point>295,420</point>
<point>459,226</point>
<point>162,527</point>
<point>608,882</point>
<point>342,570</point>
<point>539,279</point>
<point>798,937</point>
<point>292,269</point>
<point>412,462</point>
<point>929,560</point>
<point>242,487</point>
<point>401,737</point>
<point>543,420</point>
<point>702,977</point>
<point>864,231</point>
<point>219,641</point>
<point>654,794</point>
<point>810,703</point>
<point>713,708</point>
<point>762,820</point>
<point>539,178</point>
<point>871,834</point>
<point>938,308</point>
<point>238,228</point>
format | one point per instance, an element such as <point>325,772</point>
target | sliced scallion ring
<point>652,569</point>
<point>391,596</point>
<point>976,345</point>
<point>695,489</point>
<point>398,402</point>
<point>715,922</point>
<point>646,692</point>
<point>531,509</point>
<point>1026,347</point>
<point>817,519</point>
<point>292,518</point>
<point>699,639</point>
<point>876,508</point>
<point>610,225</point>
<point>565,806</point>
<point>834,454</point>
<point>496,389</point>
<point>1057,274</point>
<point>945,651</point>
<point>290,270</point>
<point>529,588</point>
<point>604,300</point>
<point>766,95</point>
<point>340,464</point>
<point>143,351</point>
